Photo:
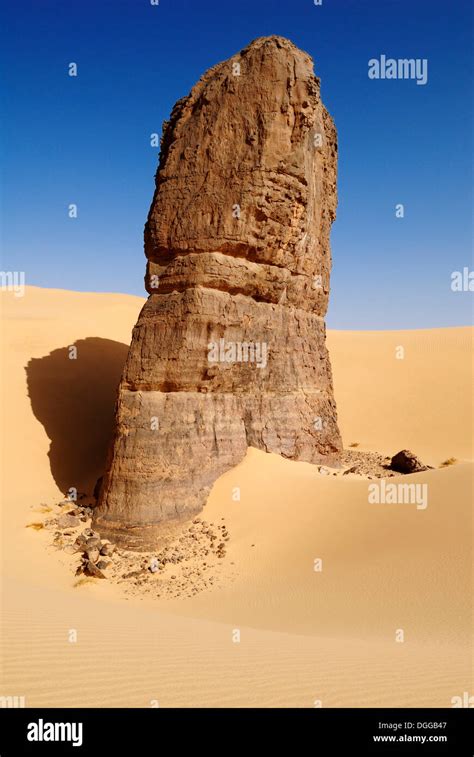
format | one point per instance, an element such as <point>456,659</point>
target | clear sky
<point>86,140</point>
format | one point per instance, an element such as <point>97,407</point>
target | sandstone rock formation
<point>229,350</point>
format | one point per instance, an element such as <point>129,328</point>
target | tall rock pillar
<point>229,350</point>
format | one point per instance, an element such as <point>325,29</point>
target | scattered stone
<point>71,549</point>
<point>350,470</point>
<point>68,521</point>
<point>132,574</point>
<point>93,554</point>
<point>108,549</point>
<point>366,463</point>
<point>93,542</point>
<point>93,570</point>
<point>103,564</point>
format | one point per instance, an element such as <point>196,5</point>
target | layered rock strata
<point>229,350</point>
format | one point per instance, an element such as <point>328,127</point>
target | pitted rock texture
<point>237,241</point>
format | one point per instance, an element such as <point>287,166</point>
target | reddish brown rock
<point>229,350</point>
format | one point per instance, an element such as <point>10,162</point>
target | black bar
<point>138,731</point>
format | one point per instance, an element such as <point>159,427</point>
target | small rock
<point>72,549</point>
<point>92,570</point>
<point>68,521</point>
<point>107,549</point>
<point>93,543</point>
<point>406,462</point>
<point>103,564</point>
<point>350,470</point>
<point>93,554</point>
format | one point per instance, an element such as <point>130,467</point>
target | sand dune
<point>305,635</point>
<point>422,401</point>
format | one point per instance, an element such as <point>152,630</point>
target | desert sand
<point>307,638</point>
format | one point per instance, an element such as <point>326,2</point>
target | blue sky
<point>86,140</point>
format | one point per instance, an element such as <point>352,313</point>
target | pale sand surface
<point>305,635</point>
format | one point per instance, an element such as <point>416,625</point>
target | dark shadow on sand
<point>75,400</point>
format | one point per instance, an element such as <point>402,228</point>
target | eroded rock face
<point>229,350</point>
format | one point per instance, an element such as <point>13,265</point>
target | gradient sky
<point>86,140</point>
